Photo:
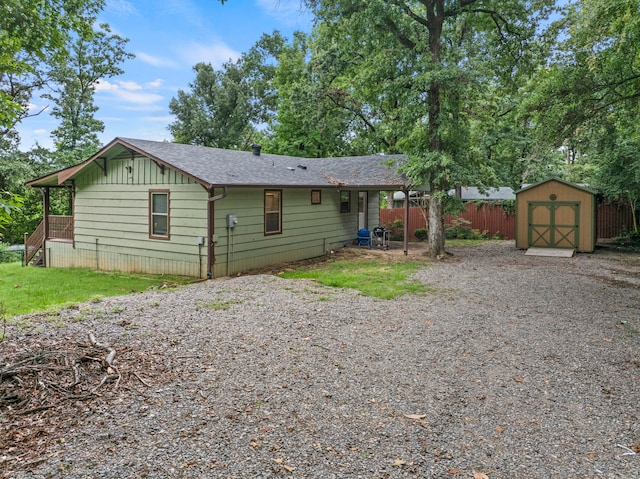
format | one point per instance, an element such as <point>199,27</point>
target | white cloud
<point>122,6</point>
<point>130,85</point>
<point>128,92</point>
<point>287,12</point>
<point>157,83</point>
<point>138,98</point>
<point>32,108</point>
<point>164,119</point>
<point>214,52</point>
<point>104,85</point>
<point>155,61</point>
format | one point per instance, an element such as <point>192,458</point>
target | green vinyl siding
<point>111,224</point>
<point>306,231</point>
<point>111,220</point>
<point>143,172</point>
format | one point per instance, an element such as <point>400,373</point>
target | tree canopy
<point>54,49</point>
<point>424,75</point>
<point>475,92</point>
<point>35,39</point>
<point>224,108</point>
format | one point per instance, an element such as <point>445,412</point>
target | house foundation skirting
<point>98,257</point>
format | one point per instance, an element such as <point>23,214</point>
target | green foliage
<point>95,57</point>
<point>8,256</point>
<point>53,48</point>
<point>28,289</point>
<point>423,78</point>
<point>585,100</point>
<point>309,122</point>
<point>629,239</point>
<point>371,278</point>
<point>421,234</point>
<point>508,206</point>
<point>35,38</point>
<point>224,108</point>
<point>16,167</point>
<point>460,228</point>
<point>9,203</point>
<point>396,230</point>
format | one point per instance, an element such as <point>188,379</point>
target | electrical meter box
<point>232,221</point>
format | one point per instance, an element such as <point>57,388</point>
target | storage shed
<point>556,214</point>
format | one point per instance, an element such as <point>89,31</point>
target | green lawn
<point>24,290</point>
<point>381,279</point>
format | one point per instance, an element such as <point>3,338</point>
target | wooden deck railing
<point>33,243</point>
<point>60,227</point>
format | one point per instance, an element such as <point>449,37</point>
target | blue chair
<point>364,238</point>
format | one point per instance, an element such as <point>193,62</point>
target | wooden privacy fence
<point>613,219</point>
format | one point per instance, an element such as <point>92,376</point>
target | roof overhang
<point>123,149</point>
<point>115,149</point>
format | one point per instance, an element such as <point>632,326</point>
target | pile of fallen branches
<point>48,385</point>
<point>33,381</point>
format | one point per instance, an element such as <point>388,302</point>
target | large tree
<point>311,120</point>
<point>421,69</point>
<point>35,37</point>
<point>51,47</point>
<point>225,108</point>
<point>20,207</point>
<point>586,99</point>
<point>95,56</point>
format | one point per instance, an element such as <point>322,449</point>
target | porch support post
<point>45,222</point>
<point>72,190</point>
<point>406,222</point>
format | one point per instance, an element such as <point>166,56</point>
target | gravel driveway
<point>512,367</point>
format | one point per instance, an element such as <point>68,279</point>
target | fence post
<point>24,251</point>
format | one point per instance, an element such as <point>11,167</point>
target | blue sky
<point>168,38</point>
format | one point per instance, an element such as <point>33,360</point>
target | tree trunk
<point>435,19</point>
<point>633,202</point>
<point>436,228</point>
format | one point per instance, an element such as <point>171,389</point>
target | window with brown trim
<point>272,212</point>
<point>159,214</point>
<point>316,197</point>
<point>345,201</point>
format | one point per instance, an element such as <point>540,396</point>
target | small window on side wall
<point>159,214</point>
<point>316,197</point>
<point>272,212</point>
<point>345,201</point>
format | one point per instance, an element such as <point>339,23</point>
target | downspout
<point>211,255</point>
<point>406,222</point>
<point>72,189</point>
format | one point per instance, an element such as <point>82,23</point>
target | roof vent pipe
<point>256,149</point>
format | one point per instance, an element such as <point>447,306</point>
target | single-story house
<point>166,208</point>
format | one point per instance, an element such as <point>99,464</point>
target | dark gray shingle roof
<point>215,166</point>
